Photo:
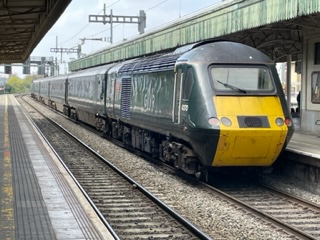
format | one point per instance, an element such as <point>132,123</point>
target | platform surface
<point>305,143</point>
<point>38,199</point>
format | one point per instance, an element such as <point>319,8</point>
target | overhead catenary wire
<point>86,26</point>
<point>155,6</point>
<point>117,25</point>
<point>107,29</point>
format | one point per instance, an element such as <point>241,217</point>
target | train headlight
<point>279,122</point>
<point>214,122</point>
<point>226,121</point>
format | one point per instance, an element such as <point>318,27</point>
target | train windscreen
<point>257,79</point>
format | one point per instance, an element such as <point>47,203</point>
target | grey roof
<point>23,24</point>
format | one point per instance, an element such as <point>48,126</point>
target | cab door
<point>49,91</point>
<point>183,85</point>
<point>66,92</point>
<point>177,95</point>
<point>103,95</point>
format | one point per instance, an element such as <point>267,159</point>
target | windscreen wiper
<point>231,86</point>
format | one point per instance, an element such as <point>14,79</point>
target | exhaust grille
<point>253,122</point>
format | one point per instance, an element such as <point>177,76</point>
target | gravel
<point>218,218</point>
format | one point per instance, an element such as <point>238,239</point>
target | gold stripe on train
<point>249,146</point>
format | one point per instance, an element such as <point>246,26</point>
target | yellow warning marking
<point>6,209</point>
<point>249,146</point>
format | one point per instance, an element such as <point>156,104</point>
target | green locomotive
<point>216,104</point>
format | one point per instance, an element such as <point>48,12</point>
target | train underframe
<point>166,148</point>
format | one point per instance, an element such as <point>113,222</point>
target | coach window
<point>188,84</point>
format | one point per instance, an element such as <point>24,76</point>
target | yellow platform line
<point>6,208</point>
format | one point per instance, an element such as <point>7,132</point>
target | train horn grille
<point>253,122</point>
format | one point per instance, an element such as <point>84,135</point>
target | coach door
<point>100,87</point>
<point>110,94</point>
<point>49,91</point>
<point>66,87</point>
<point>104,91</point>
<point>177,94</point>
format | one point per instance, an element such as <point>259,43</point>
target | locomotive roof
<point>225,52</point>
<point>152,63</point>
<point>211,52</point>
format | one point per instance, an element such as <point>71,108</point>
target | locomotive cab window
<point>242,79</point>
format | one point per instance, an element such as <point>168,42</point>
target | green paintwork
<point>152,94</point>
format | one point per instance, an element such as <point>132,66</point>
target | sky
<point>74,25</point>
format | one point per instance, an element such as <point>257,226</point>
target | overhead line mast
<point>140,20</point>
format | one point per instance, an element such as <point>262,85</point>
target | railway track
<point>127,209</point>
<point>295,215</point>
<point>295,219</point>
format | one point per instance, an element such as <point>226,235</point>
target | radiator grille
<point>253,122</point>
<point>125,98</point>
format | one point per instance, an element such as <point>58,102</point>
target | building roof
<point>23,24</point>
<point>275,27</point>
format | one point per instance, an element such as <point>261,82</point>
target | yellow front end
<point>240,145</point>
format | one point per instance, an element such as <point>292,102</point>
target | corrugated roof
<point>273,26</point>
<point>23,24</point>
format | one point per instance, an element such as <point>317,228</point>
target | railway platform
<point>38,199</point>
<point>301,160</point>
<point>304,146</point>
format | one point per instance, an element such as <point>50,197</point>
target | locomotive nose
<point>257,133</point>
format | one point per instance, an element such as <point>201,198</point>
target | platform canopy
<point>23,23</point>
<point>275,27</point>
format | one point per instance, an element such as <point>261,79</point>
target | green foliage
<point>19,85</point>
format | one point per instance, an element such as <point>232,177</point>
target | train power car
<point>217,104</point>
